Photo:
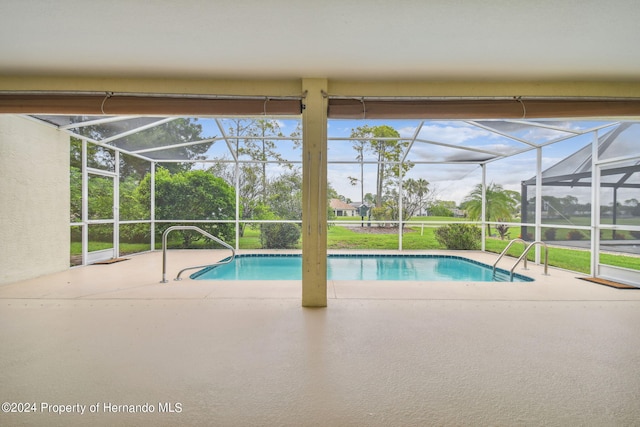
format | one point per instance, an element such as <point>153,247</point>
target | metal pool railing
<point>204,233</point>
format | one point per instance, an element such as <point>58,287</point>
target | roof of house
<point>339,204</point>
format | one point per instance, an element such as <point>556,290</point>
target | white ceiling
<point>335,39</point>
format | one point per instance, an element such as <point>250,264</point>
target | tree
<point>415,197</point>
<point>98,157</point>
<point>279,197</point>
<point>442,208</point>
<point>369,199</point>
<point>101,197</point>
<point>177,131</point>
<point>132,208</point>
<point>191,195</point>
<point>284,195</point>
<point>500,204</point>
<point>332,193</point>
<point>257,140</point>
<point>569,205</point>
<point>250,189</point>
<point>359,147</point>
<point>384,142</point>
<point>75,187</point>
<point>260,142</point>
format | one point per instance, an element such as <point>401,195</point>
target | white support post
<point>400,207</point>
<point>539,202</point>
<point>237,186</point>
<point>116,208</point>
<point>85,204</point>
<point>595,206</point>
<point>152,205</point>
<point>314,194</point>
<point>483,218</point>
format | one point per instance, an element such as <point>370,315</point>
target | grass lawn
<point>416,238</point>
<point>347,238</point>
<point>569,259</point>
<point>251,239</point>
<point>125,248</point>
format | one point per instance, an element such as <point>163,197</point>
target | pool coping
<point>521,277</point>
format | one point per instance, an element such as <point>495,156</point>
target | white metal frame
<point>598,269</point>
<point>595,226</point>
<point>91,257</point>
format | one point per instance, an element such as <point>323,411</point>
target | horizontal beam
<point>374,108</point>
<point>352,88</point>
<point>483,88</point>
<point>115,104</point>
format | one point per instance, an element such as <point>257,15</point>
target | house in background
<point>341,208</point>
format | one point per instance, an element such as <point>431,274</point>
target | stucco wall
<point>34,199</point>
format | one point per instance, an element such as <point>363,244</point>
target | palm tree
<point>500,203</point>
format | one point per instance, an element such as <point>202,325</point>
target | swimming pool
<point>359,267</point>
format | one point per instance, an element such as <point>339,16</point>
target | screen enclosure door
<point>101,214</point>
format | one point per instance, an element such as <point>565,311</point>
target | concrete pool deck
<point>556,351</point>
<point>139,278</point>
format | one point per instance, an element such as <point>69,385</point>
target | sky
<point>447,154</point>
<point>442,141</point>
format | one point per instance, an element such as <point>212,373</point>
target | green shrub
<point>459,236</point>
<point>135,233</point>
<point>380,214</point>
<point>279,235</point>
<point>550,234</point>
<point>575,235</point>
<point>526,236</point>
<point>440,210</point>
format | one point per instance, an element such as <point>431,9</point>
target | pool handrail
<point>204,233</point>
<point>524,256</point>
<point>505,251</point>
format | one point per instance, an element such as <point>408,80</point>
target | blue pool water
<point>359,267</point>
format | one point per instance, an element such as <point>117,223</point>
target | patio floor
<point>556,351</point>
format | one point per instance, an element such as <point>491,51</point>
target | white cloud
<point>453,182</point>
<point>450,134</point>
<point>541,135</point>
